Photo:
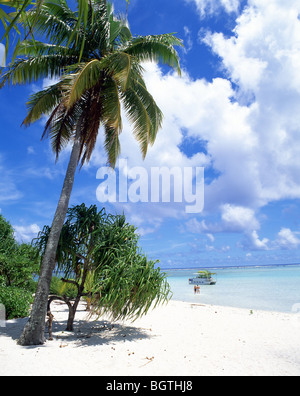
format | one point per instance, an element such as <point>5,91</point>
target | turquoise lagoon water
<point>272,288</point>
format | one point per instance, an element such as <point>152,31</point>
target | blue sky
<point>234,112</point>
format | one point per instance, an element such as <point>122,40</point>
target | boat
<point>203,278</point>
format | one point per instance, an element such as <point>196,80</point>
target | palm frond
<point>87,76</point>
<point>111,105</point>
<point>90,126</point>
<point>99,28</point>
<point>31,69</point>
<point>159,48</point>
<point>112,144</point>
<point>99,63</point>
<point>83,11</point>
<point>61,126</point>
<point>38,48</point>
<point>53,20</point>
<point>42,102</point>
<point>61,131</point>
<point>12,19</point>
<point>139,117</point>
<point>154,112</point>
<point>119,30</point>
<point>123,67</point>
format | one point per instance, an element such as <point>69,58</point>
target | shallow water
<point>274,288</point>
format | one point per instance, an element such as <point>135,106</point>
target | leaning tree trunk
<point>33,333</point>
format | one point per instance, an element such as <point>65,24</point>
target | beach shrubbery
<point>19,263</point>
<point>61,288</point>
<point>99,255</point>
<point>16,301</point>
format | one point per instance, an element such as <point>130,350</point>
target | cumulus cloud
<point>287,239</point>
<point>250,128</point>
<point>205,7</point>
<point>264,45</point>
<point>26,233</point>
<point>238,218</point>
<point>263,58</point>
<point>252,242</point>
<point>234,219</point>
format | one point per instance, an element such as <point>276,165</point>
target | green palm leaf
<point>43,102</point>
<point>158,49</point>
<point>139,117</point>
<point>99,63</point>
<point>88,75</point>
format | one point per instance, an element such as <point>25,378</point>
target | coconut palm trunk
<point>33,332</point>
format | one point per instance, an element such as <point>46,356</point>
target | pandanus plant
<point>98,253</point>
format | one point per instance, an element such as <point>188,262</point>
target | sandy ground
<point>178,339</point>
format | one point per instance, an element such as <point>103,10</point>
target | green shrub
<point>16,301</point>
<point>31,286</point>
<point>63,289</point>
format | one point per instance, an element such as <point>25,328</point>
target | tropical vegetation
<point>19,265</point>
<point>97,64</point>
<point>14,11</point>
<point>205,274</point>
<point>100,260</point>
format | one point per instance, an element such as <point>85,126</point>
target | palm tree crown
<point>98,64</point>
<point>91,92</point>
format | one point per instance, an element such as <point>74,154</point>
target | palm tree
<point>89,94</point>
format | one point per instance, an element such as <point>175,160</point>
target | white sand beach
<point>178,339</point>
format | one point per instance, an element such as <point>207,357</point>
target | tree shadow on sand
<point>87,332</point>
<point>98,333</point>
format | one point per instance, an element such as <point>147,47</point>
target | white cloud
<point>43,172</point>
<point>238,218</point>
<point>26,233</point>
<point>210,237</point>
<point>245,70</point>
<point>287,239</point>
<point>251,147</point>
<point>264,45</point>
<point>211,6</point>
<point>30,150</point>
<point>263,59</point>
<point>188,44</point>
<point>198,227</point>
<point>252,242</point>
<point>48,81</point>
